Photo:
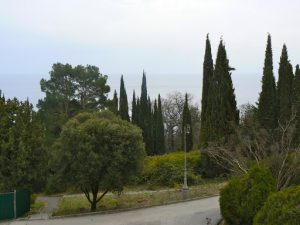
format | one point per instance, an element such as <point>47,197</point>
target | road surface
<point>186,213</point>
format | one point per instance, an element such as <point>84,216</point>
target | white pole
<point>15,203</point>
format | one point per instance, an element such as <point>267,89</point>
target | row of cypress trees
<point>218,106</point>
<point>279,102</point>
<point>145,114</point>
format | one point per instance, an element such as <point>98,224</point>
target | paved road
<point>186,213</point>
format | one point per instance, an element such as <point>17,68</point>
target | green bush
<point>167,169</point>
<point>243,197</point>
<point>32,198</point>
<point>281,208</point>
<point>55,184</point>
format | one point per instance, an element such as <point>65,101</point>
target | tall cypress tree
<point>222,104</point>
<point>150,127</point>
<point>123,110</point>
<point>160,128</point>
<point>267,115</point>
<point>155,129</point>
<point>284,87</point>
<point>208,70</point>
<point>296,105</point>
<point>134,113</point>
<point>115,103</point>
<point>187,131</point>
<point>145,116</point>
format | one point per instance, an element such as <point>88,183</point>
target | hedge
<point>281,208</point>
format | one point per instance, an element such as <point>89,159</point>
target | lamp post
<point>185,188</point>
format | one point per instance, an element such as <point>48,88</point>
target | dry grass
<point>79,204</point>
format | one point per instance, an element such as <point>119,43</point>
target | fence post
<point>15,203</point>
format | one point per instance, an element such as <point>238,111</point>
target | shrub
<point>167,169</point>
<point>33,198</point>
<point>243,197</point>
<point>281,208</point>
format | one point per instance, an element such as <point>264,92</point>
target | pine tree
<point>284,87</point>
<point>296,105</point>
<point>208,70</point>
<point>187,130</point>
<point>123,110</point>
<point>160,129</point>
<point>267,115</point>
<point>134,115</point>
<point>115,103</point>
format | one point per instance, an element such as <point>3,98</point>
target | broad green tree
<point>123,109</point>
<point>267,115</point>
<point>99,152</point>
<point>67,92</point>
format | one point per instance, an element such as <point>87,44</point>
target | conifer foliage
<point>219,108</point>
<point>267,99</point>
<point>187,131</point>
<point>123,110</point>
<point>284,87</point>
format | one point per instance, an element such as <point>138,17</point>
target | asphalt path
<point>196,212</point>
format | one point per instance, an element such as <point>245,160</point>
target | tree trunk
<point>93,206</point>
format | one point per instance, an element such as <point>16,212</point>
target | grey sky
<point>164,37</point>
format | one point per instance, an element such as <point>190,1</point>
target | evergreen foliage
<point>296,105</point>
<point>123,109</point>
<point>160,130</point>
<point>99,152</point>
<point>187,131</point>
<point>114,104</point>
<point>221,101</point>
<point>208,70</point>
<point>280,208</point>
<point>243,197</point>
<point>284,87</point>
<point>134,110</point>
<point>23,152</point>
<point>267,115</point>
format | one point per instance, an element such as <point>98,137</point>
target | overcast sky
<point>164,37</point>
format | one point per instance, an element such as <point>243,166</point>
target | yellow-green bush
<point>167,169</point>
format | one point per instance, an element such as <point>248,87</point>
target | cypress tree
<point>145,116</point>
<point>187,126</point>
<point>222,104</point>
<point>150,127</point>
<point>115,104</point>
<point>284,87</point>
<point>296,105</point>
<point>138,114</point>
<point>155,129</point>
<point>160,129</point>
<point>267,115</point>
<point>208,70</point>
<point>134,116</point>
<point>123,111</point>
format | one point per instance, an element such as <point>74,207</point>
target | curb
<point>117,210</point>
